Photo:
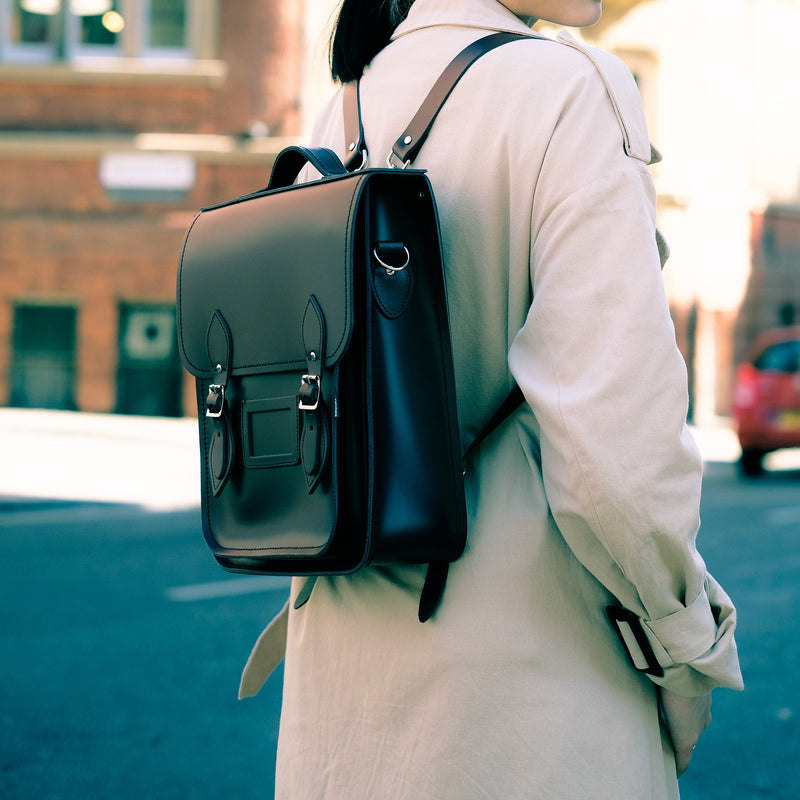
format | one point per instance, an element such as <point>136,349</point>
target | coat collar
<point>483,14</point>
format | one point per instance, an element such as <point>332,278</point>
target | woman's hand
<point>686,718</point>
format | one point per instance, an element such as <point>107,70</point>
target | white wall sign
<point>149,172</point>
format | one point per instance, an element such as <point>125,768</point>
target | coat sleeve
<point>599,366</point>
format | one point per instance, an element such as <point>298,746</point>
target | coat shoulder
<point>623,93</point>
<point>576,73</point>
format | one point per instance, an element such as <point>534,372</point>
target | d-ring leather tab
<point>392,278</point>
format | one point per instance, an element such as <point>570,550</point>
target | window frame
<point>132,42</point>
<point>21,52</point>
<point>63,360</point>
<point>189,50</point>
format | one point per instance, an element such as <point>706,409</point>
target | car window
<point>781,357</point>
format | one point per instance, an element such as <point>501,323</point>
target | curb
<point>107,458</point>
<point>148,461</point>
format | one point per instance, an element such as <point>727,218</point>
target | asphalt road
<point>121,643</point>
<point>750,538</point>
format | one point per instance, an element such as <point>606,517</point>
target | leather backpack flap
<point>265,316</point>
<point>258,260</point>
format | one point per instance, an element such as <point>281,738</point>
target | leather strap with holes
<point>407,146</point>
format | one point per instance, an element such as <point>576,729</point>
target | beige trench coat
<point>518,687</point>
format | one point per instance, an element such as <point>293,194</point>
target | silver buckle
<point>364,161</point>
<point>215,400</point>
<point>315,382</point>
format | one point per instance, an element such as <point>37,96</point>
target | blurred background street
<point>121,641</point>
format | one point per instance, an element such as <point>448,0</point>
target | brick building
<point>772,298</point>
<point>715,78</point>
<point>118,119</point>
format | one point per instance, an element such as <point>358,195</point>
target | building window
<point>67,30</point>
<point>30,27</point>
<point>43,358</point>
<point>149,376</point>
<point>166,24</point>
<point>27,34</point>
<point>100,23</point>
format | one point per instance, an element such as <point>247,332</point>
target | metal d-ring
<point>390,270</point>
<point>390,161</point>
<point>364,161</point>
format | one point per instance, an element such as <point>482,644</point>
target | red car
<point>766,400</point>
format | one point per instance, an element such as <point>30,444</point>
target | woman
<point>587,497</point>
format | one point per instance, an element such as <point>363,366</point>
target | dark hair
<point>363,29</point>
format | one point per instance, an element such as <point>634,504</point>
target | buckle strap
<point>631,632</point>
<point>512,402</point>
<point>432,589</point>
<point>304,594</point>
<point>357,157</point>
<point>405,149</point>
<point>315,435</point>
<point>220,442</point>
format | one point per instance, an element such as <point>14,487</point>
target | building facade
<point>118,119</point>
<point>719,84</point>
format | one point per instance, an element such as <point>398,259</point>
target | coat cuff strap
<point>679,638</point>
<point>267,653</point>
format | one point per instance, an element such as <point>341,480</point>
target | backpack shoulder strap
<point>436,576</point>
<point>513,401</point>
<point>407,146</point>
<point>403,152</point>
<point>357,157</point>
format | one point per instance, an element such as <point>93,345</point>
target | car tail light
<point>746,392</point>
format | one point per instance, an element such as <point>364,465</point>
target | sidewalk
<point>717,441</point>
<point>63,455</point>
<point>148,461</point>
